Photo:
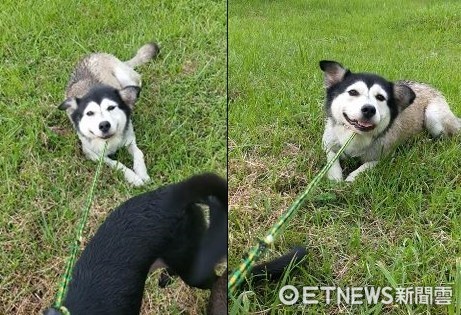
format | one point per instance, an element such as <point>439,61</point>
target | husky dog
<point>380,112</point>
<point>100,97</point>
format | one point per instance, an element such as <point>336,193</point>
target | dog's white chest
<point>97,145</point>
<point>112,144</point>
<point>336,135</point>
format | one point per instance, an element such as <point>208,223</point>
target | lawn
<point>180,124</point>
<point>396,225</point>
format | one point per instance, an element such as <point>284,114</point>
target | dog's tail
<point>451,125</point>
<point>199,187</point>
<point>143,55</point>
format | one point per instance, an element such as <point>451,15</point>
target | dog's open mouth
<point>104,137</point>
<point>360,125</point>
<point>107,136</point>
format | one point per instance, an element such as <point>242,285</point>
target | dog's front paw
<point>351,177</point>
<point>365,166</point>
<point>141,171</point>
<point>335,175</point>
<point>144,177</point>
<point>133,179</point>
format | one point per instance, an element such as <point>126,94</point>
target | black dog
<point>166,224</point>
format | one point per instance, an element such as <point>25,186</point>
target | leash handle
<point>253,255</point>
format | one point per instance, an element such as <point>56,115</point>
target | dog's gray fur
<point>101,81</point>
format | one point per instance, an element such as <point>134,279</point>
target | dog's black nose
<point>104,126</point>
<point>368,111</point>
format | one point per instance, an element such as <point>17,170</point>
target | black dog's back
<point>166,223</point>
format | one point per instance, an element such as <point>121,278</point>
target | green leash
<point>62,290</point>
<point>253,255</point>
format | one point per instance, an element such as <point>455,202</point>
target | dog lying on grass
<point>100,98</point>
<point>381,113</point>
<point>166,224</point>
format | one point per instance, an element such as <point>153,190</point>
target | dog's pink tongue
<point>365,124</point>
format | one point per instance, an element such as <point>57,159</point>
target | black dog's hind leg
<point>274,269</point>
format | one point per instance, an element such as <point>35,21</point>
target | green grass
<point>180,123</point>
<point>398,223</point>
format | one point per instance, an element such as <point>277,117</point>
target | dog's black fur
<point>166,223</point>
<point>273,270</point>
<point>212,249</point>
<point>97,94</point>
<point>340,78</point>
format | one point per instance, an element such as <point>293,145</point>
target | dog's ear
<point>130,94</point>
<point>70,103</point>
<point>403,95</point>
<point>333,71</point>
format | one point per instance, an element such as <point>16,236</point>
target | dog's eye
<point>380,97</point>
<point>110,107</point>
<point>353,93</point>
<point>89,113</point>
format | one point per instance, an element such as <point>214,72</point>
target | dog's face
<point>103,112</point>
<point>363,102</point>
